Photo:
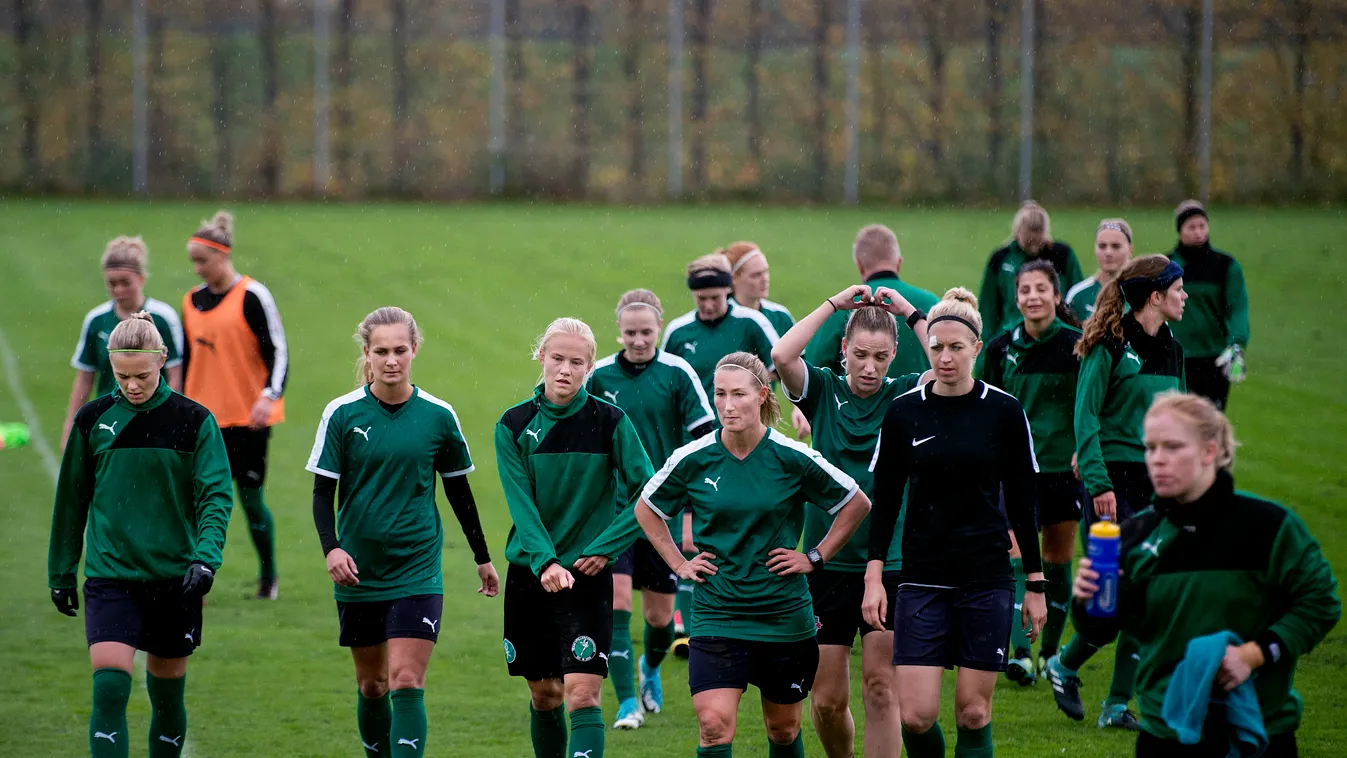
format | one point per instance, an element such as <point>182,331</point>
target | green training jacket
<point>1041,373</point>
<point>996,300</point>
<point>1217,312</point>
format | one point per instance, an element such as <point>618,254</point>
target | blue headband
<point>1138,289</point>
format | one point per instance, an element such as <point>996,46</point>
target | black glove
<point>66,601</point>
<point>198,580</point>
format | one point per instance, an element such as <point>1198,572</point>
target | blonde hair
<point>875,244</point>
<point>1204,418</point>
<point>958,302</point>
<point>127,253</point>
<point>639,298</point>
<point>566,325</point>
<point>1032,227</point>
<point>137,333</point>
<point>711,262</point>
<point>770,412</point>
<point>1109,307</point>
<point>389,315</point>
<point>871,318</point>
<point>1117,225</point>
<point>219,229</point>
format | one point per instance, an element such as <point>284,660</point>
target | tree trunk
<point>996,131</point>
<point>581,65</point>
<point>1190,47</point>
<point>751,85</point>
<point>158,166</point>
<point>219,74</point>
<point>632,53</point>
<point>343,150</point>
<point>821,23</point>
<point>270,169</point>
<point>1300,43</point>
<point>25,23</point>
<point>400,95</point>
<point>879,88</point>
<point>516,135</point>
<point>933,19</point>
<point>94,59</point>
<point>698,32</point>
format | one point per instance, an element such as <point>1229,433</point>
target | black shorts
<point>957,626</point>
<point>1207,379</point>
<point>378,621</point>
<point>1131,487</point>
<point>551,634</point>
<point>782,671</point>
<point>247,451</point>
<point>837,604</point>
<point>1061,499</point>
<point>1150,746</point>
<point>647,569</point>
<point>150,616</point>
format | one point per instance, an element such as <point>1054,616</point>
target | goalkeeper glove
<point>1231,363</point>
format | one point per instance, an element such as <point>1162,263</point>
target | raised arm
<point>786,355</point>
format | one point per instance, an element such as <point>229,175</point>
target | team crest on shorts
<point>509,651</point>
<point>818,623</point>
<point>584,648</point>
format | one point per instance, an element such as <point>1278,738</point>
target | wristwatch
<point>1036,585</point>
<point>815,558</point>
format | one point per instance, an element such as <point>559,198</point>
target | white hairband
<point>658,313</point>
<point>747,257</point>
<point>749,371</point>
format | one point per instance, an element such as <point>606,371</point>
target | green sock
<point>168,715</point>
<point>928,744</point>
<point>657,642</point>
<point>548,732</point>
<point>587,732</point>
<point>1019,638</point>
<point>793,750</point>
<point>407,729</point>
<point>621,671</point>
<point>374,717</point>
<point>974,743</point>
<point>1126,660</point>
<point>716,751</point>
<point>262,527</point>
<point>1059,601</point>
<point>1077,652</point>
<point>107,723</point>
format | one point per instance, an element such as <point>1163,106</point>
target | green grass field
<point>483,281</point>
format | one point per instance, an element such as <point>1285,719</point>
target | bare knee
<point>716,728</point>
<point>583,692</point>
<point>783,732</point>
<point>828,707</point>
<point>918,720</point>
<point>973,714</point>
<point>877,691</point>
<point>372,687</point>
<point>407,678</point>
<point>546,694</point>
<point>658,617</point>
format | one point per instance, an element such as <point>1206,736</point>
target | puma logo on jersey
<point>1133,356</point>
<point>612,396</point>
<point>1007,267</point>
<point>105,736</point>
<point>622,654</point>
<point>202,341</point>
<point>175,740</point>
<point>1089,308</point>
<point>1012,358</point>
<point>532,434</point>
<point>402,741</point>
<point>362,432</point>
<point>916,441</point>
<point>432,624</point>
<point>582,753</point>
<point>690,347</point>
<point>111,429</point>
<point>103,336</point>
<point>840,403</point>
<point>1152,547</point>
<point>715,483</point>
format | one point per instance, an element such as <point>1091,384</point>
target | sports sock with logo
<point>407,730</point>
<point>1076,653</point>
<point>790,750</point>
<point>548,732</point>
<point>1059,600</point>
<point>374,717</point>
<point>928,744</point>
<point>586,733</point>
<point>1019,637</point>
<point>621,672</point>
<point>1125,663</point>
<point>107,723</point>
<point>262,527</point>
<point>657,642</point>
<point>168,715</point>
<point>716,751</point>
<point>974,743</point>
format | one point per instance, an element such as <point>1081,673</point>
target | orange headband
<point>208,243</point>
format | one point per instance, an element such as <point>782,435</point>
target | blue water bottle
<point>1105,537</point>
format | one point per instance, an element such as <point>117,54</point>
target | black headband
<point>709,277</point>
<point>952,317</point>
<point>1187,213</point>
<point>1138,289</point>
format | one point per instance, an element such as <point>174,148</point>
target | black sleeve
<point>274,351</point>
<point>465,510</point>
<point>324,512</point>
<point>890,466</point>
<point>701,431</point>
<point>1017,482</point>
<point>992,364</point>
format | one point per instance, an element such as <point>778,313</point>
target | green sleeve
<point>213,490</point>
<point>823,484</point>
<point>667,490</point>
<point>1305,585</point>
<point>989,299</point>
<point>1091,387</point>
<point>815,387</point>
<point>171,332</point>
<point>632,466</point>
<point>693,405</point>
<point>1236,306</point>
<point>533,539</point>
<point>86,352</point>
<point>763,341</point>
<point>1073,275</point>
<point>825,349</point>
<point>74,492</point>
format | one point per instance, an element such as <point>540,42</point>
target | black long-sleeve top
<point>955,456</point>
<point>259,311</point>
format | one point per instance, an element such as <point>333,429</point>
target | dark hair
<point>1109,308</point>
<point>1045,267</point>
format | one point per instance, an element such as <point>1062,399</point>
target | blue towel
<point>1193,689</point>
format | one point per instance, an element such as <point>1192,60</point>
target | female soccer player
<point>1215,330</point>
<point>1127,358</point>
<point>1031,239</point>
<point>663,397</point>
<point>145,471</point>
<point>1112,250</point>
<point>953,444</point>
<point>748,486</point>
<point>236,364</point>
<point>1211,565</point>
<point>1035,361</point>
<point>124,272</point>
<point>386,442</point>
<point>751,280</point>
<point>564,457</point>
<point>847,411</point>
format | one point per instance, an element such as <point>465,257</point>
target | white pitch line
<point>30,416</point>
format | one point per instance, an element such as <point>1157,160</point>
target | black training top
<point>957,455</point>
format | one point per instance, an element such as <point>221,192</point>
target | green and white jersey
<point>703,343</point>
<point>663,399</point>
<point>846,428</point>
<point>388,463</point>
<point>91,354</point>
<point>1082,296</point>
<point>777,315</point>
<point>741,511</point>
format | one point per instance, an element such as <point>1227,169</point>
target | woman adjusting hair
<point>145,481</point>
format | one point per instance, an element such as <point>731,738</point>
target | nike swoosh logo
<point>916,441</point>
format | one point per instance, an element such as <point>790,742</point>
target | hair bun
<point>962,295</point>
<point>143,316</point>
<point>224,222</point>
